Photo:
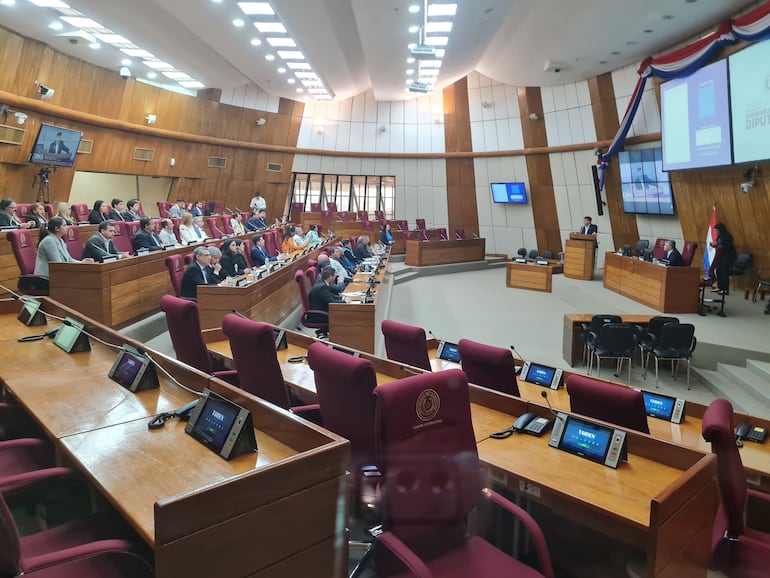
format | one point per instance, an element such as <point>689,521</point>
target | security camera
<point>261,122</point>
<point>21,118</point>
<point>746,187</point>
<point>125,72</point>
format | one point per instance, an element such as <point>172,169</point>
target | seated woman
<point>186,231</point>
<point>289,244</point>
<point>52,248</point>
<point>386,238</point>
<point>233,259</point>
<point>312,235</point>
<point>37,216</point>
<point>100,212</point>
<point>64,210</point>
<point>236,222</point>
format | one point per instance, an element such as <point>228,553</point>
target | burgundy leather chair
<point>363,216</point>
<point>422,234</point>
<point>739,551</point>
<point>26,254</point>
<point>74,244</point>
<point>657,251</point>
<point>138,209</point>
<point>402,225</point>
<point>345,216</point>
<point>22,211</point>
<point>50,211</point>
<point>459,234</point>
<point>310,318</point>
<point>311,273</point>
<point>315,207</point>
<point>227,226</point>
<point>367,227</point>
<point>175,266</point>
<point>81,211</point>
<point>184,328</point>
<point>331,206</point>
<point>420,223</point>
<point>111,564</point>
<point>406,344</point>
<point>133,227</point>
<point>121,239</point>
<point>688,252</point>
<point>614,404</point>
<point>163,208</point>
<point>379,216</point>
<point>442,236</point>
<point>488,366</point>
<point>214,227</point>
<point>432,477</point>
<point>296,209</point>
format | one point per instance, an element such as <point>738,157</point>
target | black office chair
<point>613,341</point>
<point>676,342</point>
<point>648,339</point>
<point>522,253</point>
<point>596,322</point>
<point>641,245</point>
<point>533,254</point>
<point>547,255</point>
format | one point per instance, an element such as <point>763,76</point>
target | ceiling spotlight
<point>44,92</point>
<point>281,70</point>
<point>125,72</point>
<point>238,22</point>
<point>291,81</point>
<point>256,42</point>
<point>269,56</point>
<point>413,29</point>
<point>151,118</point>
<point>126,62</point>
<point>534,116</point>
<point>56,25</point>
<point>414,8</point>
<point>21,118</point>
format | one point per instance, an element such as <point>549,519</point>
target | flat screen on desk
<point>750,102</point>
<point>660,406</point>
<point>68,334</point>
<point>215,421</point>
<point>28,312</point>
<point>645,186</point>
<point>449,352</point>
<point>540,375</point>
<point>509,193</point>
<point>55,146</point>
<point>127,368</point>
<point>588,440</point>
<point>695,123</point>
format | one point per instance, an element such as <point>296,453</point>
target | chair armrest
<point>35,480</point>
<point>416,566</point>
<point>529,523</point>
<point>311,412</point>
<point>318,312</point>
<point>228,375</point>
<point>77,553</point>
<point>755,494</point>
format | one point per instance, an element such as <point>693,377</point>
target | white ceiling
<point>358,45</point>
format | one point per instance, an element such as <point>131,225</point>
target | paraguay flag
<point>711,237</point>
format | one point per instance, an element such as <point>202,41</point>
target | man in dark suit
<point>131,214</point>
<point>257,221</point>
<point>588,228</point>
<point>362,248</point>
<point>146,238</point>
<point>323,293</point>
<point>100,246</point>
<point>57,147</point>
<point>198,273</point>
<point>259,256</point>
<point>117,211</point>
<point>672,254</point>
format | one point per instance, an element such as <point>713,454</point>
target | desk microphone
<point>517,369</point>
<point>544,395</point>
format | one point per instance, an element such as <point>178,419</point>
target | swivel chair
<point>615,404</point>
<point>26,255</point>
<point>488,366</point>
<point>406,344</point>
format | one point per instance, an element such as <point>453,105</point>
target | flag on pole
<point>711,237</point>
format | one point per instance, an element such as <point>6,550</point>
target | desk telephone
<point>746,431</point>
<point>530,423</point>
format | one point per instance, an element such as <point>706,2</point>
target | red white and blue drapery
<point>752,27</point>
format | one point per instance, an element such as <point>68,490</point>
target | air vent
<point>217,162</point>
<point>86,147</point>
<point>143,154</point>
<point>274,167</point>
<point>12,135</point>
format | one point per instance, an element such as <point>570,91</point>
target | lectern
<point>579,254</point>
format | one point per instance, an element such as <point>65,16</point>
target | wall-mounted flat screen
<point>750,102</point>
<point>509,193</point>
<point>55,146</point>
<point>695,121</point>
<point>645,186</point>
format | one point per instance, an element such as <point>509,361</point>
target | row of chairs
<point>533,254</point>
<point>658,252</point>
<point>737,550</point>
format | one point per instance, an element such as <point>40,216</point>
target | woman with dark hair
<point>723,260</point>
<point>386,238</point>
<point>211,209</point>
<point>37,216</point>
<point>52,248</point>
<point>289,244</point>
<point>99,214</point>
<point>233,260</point>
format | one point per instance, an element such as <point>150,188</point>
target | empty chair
<point>488,366</point>
<point>74,244</point>
<point>176,267</point>
<point>596,322</point>
<point>312,275</point>
<point>433,480</point>
<point>688,252</point>
<point>763,286</point>
<point>379,216</point>
<point>184,328</point>
<point>547,255</point>
<point>648,339</point>
<point>327,216</point>
<point>739,551</point>
<point>522,252</point>
<point>213,224</point>
<point>442,236</point>
<point>615,404</point>
<point>533,254</point>
<point>406,344</point>
<point>367,227</point>
<point>422,234</point>
<point>402,225</point>
<point>363,216</point>
<point>50,210</point>
<point>613,341</point>
<point>271,247</point>
<point>26,255</point>
<point>163,209</point>
<point>420,223</point>
<point>459,234</point>
<point>311,318</point>
<point>315,207</point>
<point>676,342</point>
<point>641,246</point>
<point>121,239</point>
<point>81,212</point>
<point>331,206</point>
<point>23,460</point>
<point>227,227</point>
<point>296,209</point>
<point>345,216</point>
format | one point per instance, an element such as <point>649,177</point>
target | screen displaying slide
<point>645,186</point>
<point>750,102</point>
<point>695,120</point>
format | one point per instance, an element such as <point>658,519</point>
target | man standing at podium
<point>588,228</point>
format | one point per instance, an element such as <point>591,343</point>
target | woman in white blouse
<point>186,232</point>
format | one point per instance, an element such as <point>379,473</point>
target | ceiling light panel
<point>436,40</point>
<point>299,66</point>
<point>438,27</point>
<point>49,3</point>
<point>114,39</point>
<point>267,27</point>
<point>442,10</point>
<point>286,42</point>
<point>291,55</point>
<point>138,53</point>
<point>82,22</point>
<point>191,84</point>
<point>256,8</point>
<point>176,75</point>
<point>158,65</point>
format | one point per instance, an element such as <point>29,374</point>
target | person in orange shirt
<point>289,242</point>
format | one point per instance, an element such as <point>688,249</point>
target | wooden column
<point>539,170</point>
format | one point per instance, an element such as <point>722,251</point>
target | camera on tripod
<point>44,174</point>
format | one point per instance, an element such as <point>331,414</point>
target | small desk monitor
<point>30,314</point>
<point>541,375</point>
<point>448,352</point>
<point>71,338</point>
<point>596,442</point>
<point>663,407</point>
<point>222,426</point>
<point>134,371</point>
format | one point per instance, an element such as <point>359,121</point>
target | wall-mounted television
<point>55,146</point>
<point>750,102</point>
<point>645,186</point>
<point>509,193</point>
<point>695,124</point>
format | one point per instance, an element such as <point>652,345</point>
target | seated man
<point>362,249</point>
<point>216,266</point>
<point>199,272</point>
<point>671,254</point>
<point>177,209</point>
<point>349,259</point>
<point>167,235</point>
<point>257,221</point>
<point>146,238</point>
<point>117,211</point>
<point>323,293</point>
<point>259,256</point>
<point>100,246</point>
<point>339,268</point>
<point>131,214</point>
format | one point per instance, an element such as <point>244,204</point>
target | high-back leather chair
<point>214,227</point>
<point>615,404</point>
<point>406,344</point>
<point>442,236</point>
<point>331,206</point>
<point>658,252</point>
<point>296,209</point>
<point>163,209</point>
<point>227,226</point>
<point>688,252</point>
<point>315,207</point>
<point>81,212</point>
<point>74,244</point>
<point>459,234</point>
<point>310,318</point>
<point>311,273</point>
<point>379,216</point>
<point>488,366</point>
<point>26,254</point>
<point>121,239</point>
<point>175,265</point>
<point>363,216</point>
<point>420,223</point>
<point>432,477</point>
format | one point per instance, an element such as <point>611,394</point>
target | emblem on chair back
<point>118,228</point>
<point>134,228</point>
<point>72,234</point>
<point>428,404</point>
<point>24,240</point>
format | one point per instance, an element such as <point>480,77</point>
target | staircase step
<point>725,388</point>
<point>746,379</point>
<point>761,368</point>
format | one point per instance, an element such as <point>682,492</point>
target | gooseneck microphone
<point>518,368</point>
<point>544,395</point>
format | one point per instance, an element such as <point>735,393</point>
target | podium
<point>579,256</point>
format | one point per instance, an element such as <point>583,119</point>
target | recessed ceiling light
<point>410,60</point>
<point>442,9</point>
<point>411,45</point>
<point>269,56</point>
<point>298,65</point>
<point>256,42</point>
<point>438,27</point>
<point>410,71</point>
<point>158,65</point>
<point>94,46</point>
<point>113,39</point>
<point>81,22</point>
<point>413,29</point>
<point>440,52</point>
<point>300,89</point>
<point>256,8</point>
<point>126,62</point>
<point>414,8</point>
<point>291,81</point>
<point>238,22</point>
<point>138,53</point>
<point>281,42</point>
<point>281,70</point>
<point>55,25</point>
<point>152,75</point>
<point>291,55</point>
<point>436,40</point>
<point>176,75</point>
<point>270,27</point>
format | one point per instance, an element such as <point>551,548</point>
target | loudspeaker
<point>597,190</point>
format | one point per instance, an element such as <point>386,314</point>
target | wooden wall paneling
<point>605,112</point>
<point>546,219</point>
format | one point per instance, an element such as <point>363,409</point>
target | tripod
<point>44,192</point>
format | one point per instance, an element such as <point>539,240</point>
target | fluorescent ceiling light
<point>176,75</point>
<point>430,64</point>
<point>112,39</point>
<point>438,27</point>
<point>56,25</point>
<point>291,80</point>
<point>191,84</point>
<point>414,8</point>
<point>256,42</point>
<point>256,8</point>
<point>442,9</point>
<point>413,29</point>
<point>158,65</point>
<point>291,55</point>
<point>436,40</point>
<point>312,75</point>
<point>138,53</point>
<point>238,22</point>
<point>126,62</point>
<point>281,42</point>
<point>281,70</point>
<point>270,27</point>
<point>300,89</point>
<point>317,91</point>
<point>298,65</point>
<point>152,74</point>
<point>440,52</point>
<point>83,22</point>
<point>49,3</point>
<point>269,56</point>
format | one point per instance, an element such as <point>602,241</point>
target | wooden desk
<point>667,289</point>
<point>572,343</point>
<point>531,276</point>
<point>201,514</point>
<point>424,253</point>
<point>579,256</point>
